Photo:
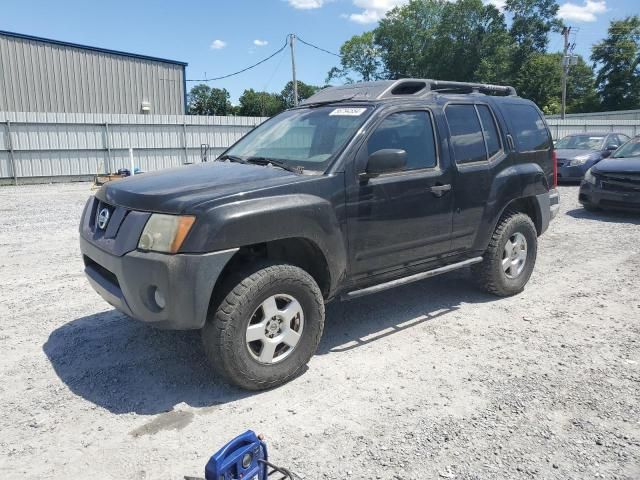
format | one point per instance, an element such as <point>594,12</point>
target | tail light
<point>554,158</point>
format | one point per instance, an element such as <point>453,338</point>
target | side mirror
<point>611,148</point>
<point>386,160</point>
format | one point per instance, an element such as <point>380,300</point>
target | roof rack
<point>412,87</point>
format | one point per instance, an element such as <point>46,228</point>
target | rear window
<point>528,127</point>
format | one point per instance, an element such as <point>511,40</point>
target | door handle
<point>439,190</point>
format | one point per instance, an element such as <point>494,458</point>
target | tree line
<point>204,100</point>
<point>470,41</point>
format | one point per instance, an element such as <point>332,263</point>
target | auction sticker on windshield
<point>348,112</point>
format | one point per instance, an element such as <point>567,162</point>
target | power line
<point>244,69</point>
<point>319,48</point>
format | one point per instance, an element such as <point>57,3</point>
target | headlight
<point>579,160</point>
<point>589,177</point>
<point>165,233</point>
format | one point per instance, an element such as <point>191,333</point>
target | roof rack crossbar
<point>435,85</point>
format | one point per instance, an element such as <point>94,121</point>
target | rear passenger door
<point>477,149</point>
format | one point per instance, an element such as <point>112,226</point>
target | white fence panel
<point>58,144</point>
<point>61,145</point>
<point>560,128</point>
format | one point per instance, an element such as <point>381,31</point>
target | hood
<point>618,165</point>
<point>175,190</point>
<point>569,153</point>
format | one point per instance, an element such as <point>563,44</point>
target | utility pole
<point>292,43</point>
<point>565,69</point>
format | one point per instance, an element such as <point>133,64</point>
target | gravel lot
<point>432,380</point>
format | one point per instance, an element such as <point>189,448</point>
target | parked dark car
<point>578,152</point>
<point>614,183</point>
<point>360,189</point>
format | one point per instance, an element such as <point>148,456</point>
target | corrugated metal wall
<point>58,144</point>
<point>609,116</point>
<point>36,76</point>
<point>560,128</point>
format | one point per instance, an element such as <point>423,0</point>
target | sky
<point>217,37</point>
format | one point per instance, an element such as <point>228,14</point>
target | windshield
<point>307,137</point>
<point>581,142</point>
<point>629,149</point>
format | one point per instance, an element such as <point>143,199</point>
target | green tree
<point>471,33</point>
<point>540,80</point>
<point>204,100</point>
<point>531,23</point>
<point>361,56</point>
<point>260,104</point>
<point>304,92</point>
<point>617,58</point>
<point>405,39</point>
<point>581,88</point>
<point>464,40</point>
<point>198,99</point>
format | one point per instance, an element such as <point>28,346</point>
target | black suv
<point>362,188</point>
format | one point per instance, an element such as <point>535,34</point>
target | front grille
<point>621,182</point>
<point>116,217</point>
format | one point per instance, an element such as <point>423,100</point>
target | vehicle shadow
<point>352,324</point>
<point>126,366</point>
<point>613,216</point>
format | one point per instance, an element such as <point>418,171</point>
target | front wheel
<point>266,328</point>
<point>510,257</point>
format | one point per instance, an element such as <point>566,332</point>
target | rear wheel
<point>266,328</point>
<point>510,257</point>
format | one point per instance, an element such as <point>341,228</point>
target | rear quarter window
<point>528,127</point>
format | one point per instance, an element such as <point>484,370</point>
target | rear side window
<point>490,130</point>
<point>621,139</point>
<point>466,133</point>
<point>528,127</point>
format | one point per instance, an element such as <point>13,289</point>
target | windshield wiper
<point>232,158</point>
<point>274,162</point>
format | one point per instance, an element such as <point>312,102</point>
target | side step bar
<point>411,278</point>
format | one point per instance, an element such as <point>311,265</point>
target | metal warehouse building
<point>42,75</point>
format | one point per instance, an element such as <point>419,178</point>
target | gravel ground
<point>432,380</point>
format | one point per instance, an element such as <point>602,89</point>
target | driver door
<point>401,217</point>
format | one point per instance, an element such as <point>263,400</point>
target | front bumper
<point>128,283</point>
<point>595,196</point>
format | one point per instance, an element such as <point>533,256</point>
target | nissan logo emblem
<point>103,218</point>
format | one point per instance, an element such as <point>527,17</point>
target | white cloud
<point>373,10</point>
<point>582,13</point>
<point>218,44</point>
<point>260,43</point>
<point>306,4</point>
<point>499,4</point>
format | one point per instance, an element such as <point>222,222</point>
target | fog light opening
<point>158,297</point>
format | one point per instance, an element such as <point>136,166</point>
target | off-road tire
<point>489,274</point>
<point>224,333</point>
